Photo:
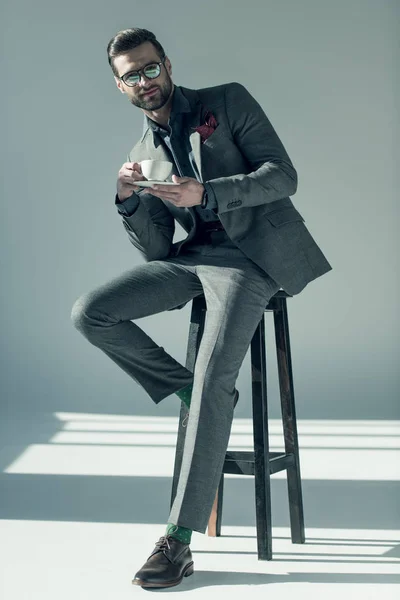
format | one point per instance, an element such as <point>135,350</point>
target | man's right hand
<point>128,174</point>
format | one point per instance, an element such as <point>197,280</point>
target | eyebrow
<point>140,68</point>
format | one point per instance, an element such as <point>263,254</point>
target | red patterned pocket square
<point>209,126</point>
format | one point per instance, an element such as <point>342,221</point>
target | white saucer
<point>154,182</point>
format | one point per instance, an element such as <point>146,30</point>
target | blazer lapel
<point>194,120</point>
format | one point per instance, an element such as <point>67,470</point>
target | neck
<point>161,115</point>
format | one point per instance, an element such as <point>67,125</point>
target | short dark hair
<point>126,40</point>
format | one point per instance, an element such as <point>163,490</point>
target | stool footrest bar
<point>242,462</point>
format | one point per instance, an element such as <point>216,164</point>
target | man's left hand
<point>187,191</point>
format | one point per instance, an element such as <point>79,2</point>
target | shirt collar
<point>180,104</point>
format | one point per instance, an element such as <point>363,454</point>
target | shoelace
<point>163,543</point>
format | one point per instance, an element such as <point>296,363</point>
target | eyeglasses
<point>150,71</point>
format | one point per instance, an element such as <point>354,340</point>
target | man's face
<point>136,59</point>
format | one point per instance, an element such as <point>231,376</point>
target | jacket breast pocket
<point>220,135</point>
<point>283,216</point>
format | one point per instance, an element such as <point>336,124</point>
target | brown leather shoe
<point>167,565</point>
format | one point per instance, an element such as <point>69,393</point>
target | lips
<point>150,91</point>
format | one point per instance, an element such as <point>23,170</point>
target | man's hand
<point>128,174</point>
<point>187,192</point>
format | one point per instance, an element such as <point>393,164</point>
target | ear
<point>119,84</point>
<point>168,65</point>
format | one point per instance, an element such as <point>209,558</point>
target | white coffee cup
<point>156,170</point>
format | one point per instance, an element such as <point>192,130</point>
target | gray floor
<point>84,497</point>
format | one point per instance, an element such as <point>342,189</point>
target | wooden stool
<point>261,462</point>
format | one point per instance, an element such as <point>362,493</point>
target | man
<point>232,180</point>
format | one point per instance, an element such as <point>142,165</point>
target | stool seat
<point>260,463</point>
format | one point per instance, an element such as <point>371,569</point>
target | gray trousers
<point>236,292</point>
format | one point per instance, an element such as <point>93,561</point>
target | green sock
<point>182,534</point>
<point>185,394</point>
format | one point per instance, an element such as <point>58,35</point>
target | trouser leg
<point>236,300</point>
<point>104,316</point>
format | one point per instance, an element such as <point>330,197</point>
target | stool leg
<point>289,421</point>
<point>214,523</point>
<point>196,328</point>
<point>261,443</point>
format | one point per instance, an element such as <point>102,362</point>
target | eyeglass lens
<point>151,72</point>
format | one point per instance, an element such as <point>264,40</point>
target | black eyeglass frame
<point>141,73</point>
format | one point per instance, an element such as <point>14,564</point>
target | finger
<point>175,189</point>
<point>177,179</point>
<point>137,176</point>
<point>131,166</point>
<point>129,175</point>
<point>131,188</point>
<point>165,192</point>
<point>137,167</point>
<point>129,181</point>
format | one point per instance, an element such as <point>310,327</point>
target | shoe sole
<point>189,570</point>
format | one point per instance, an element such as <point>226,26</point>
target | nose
<point>143,80</point>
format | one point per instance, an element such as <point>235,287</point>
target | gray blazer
<point>252,177</point>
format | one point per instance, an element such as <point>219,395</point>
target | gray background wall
<point>327,76</point>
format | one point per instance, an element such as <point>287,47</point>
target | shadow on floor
<point>202,579</point>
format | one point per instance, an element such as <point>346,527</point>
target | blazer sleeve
<point>273,175</point>
<point>151,227</point>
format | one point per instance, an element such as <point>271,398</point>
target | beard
<point>159,99</point>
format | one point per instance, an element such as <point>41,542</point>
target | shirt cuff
<point>128,206</point>
<point>211,199</point>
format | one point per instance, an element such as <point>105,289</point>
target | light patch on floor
<point>111,445</point>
